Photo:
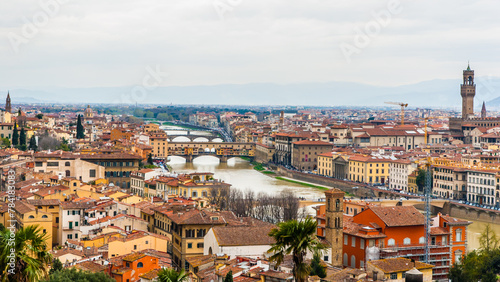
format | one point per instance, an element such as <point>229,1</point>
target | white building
<point>238,241</point>
<point>399,170</point>
<point>481,187</point>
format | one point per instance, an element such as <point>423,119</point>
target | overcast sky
<point>95,43</point>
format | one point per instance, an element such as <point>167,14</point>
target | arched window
<point>345,259</point>
<point>458,235</point>
<point>407,241</point>
<point>329,204</point>
<point>337,204</point>
<point>67,164</point>
<point>140,265</point>
<point>68,173</point>
<point>391,242</point>
<point>353,261</point>
<point>44,216</point>
<point>210,251</point>
<point>31,216</point>
<point>421,240</point>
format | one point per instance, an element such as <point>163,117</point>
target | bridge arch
<point>201,139</point>
<point>181,139</point>
<point>217,139</point>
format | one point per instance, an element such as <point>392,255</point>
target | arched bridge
<point>221,150</point>
<point>194,138</point>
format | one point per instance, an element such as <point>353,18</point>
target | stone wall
<point>471,213</point>
<point>345,186</point>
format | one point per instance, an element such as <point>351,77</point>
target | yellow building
<point>325,163</point>
<point>27,215</point>
<point>49,206</point>
<point>159,143</point>
<point>394,269</point>
<point>137,241</point>
<point>188,230</point>
<point>59,192</point>
<point>368,169</point>
<point>412,183</point>
<point>100,240</point>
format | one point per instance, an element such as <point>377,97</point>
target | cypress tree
<point>22,137</point>
<point>80,134</point>
<point>33,145</point>
<point>15,135</point>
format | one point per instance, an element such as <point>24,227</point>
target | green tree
<point>479,265</point>
<point>5,142</point>
<point>229,277</point>
<point>150,114</point>
<point>56,266</point>
<point>296,238</point>
<point>22,137</point>
<point>488,239</point>
<point>80,132</point>
<point>316,267</point>
<point>150,158</point>
<point>171,275</point>
<point>39,116</point>
<point>30,254</point>
<point>33,145</point>
<point>15,135</point>
<point>75,275</point>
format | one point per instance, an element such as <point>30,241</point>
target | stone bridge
<point>221,150</point>
<point>195,138</point>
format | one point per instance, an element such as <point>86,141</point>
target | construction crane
<point>426,119</point>
<point>427,194</point>
<point>403,106</point>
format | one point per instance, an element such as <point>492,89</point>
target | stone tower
<point>334,229</point>
<point>468,91</point>
<point>483,110</point>
<point>8,106</point>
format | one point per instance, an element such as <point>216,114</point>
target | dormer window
<point>215,218</point>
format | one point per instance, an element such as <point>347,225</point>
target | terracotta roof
<point>455,221</point>
<point>243,236</point>
<point>312,143</point>
<point>399,215</point>
<point>91,266</point>
<point>398,265</point>
<point>42,202</point>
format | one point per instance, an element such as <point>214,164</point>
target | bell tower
<point>334,229</point>
<point>468,91</point>
<point>8,107</point>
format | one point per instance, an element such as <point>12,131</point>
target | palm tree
<point>171,275</point>
<point>31,259</point>
<point>296,238</point>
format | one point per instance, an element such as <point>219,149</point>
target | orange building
<point>398,231</point>
<point>121,133</point>
<point>133,266</point>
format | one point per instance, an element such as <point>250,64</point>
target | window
<point>345,259</point>
<point>31,216</point>
<point>345,240</point>
<point>135,247</point>
<point>190,245</point>
<point>362,243</point>
<point>421,240</point>
<point>92,173</point>
<point>70,236</point>
<point>67,164</point>
<point>353,261</point>
<point>325,258</point>
<point>407,241</point>
<point>391,242</point>
<point>394,276</point>
<point>458,237</point>
<point>140,265</point>
<point>200,245</point>
<point>458,256</point>
<point>353,241</point>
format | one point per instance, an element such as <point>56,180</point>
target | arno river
<point>240,174</point>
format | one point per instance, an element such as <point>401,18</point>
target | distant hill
<point>434,93</point>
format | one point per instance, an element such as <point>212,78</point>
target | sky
<point>103,43</point>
